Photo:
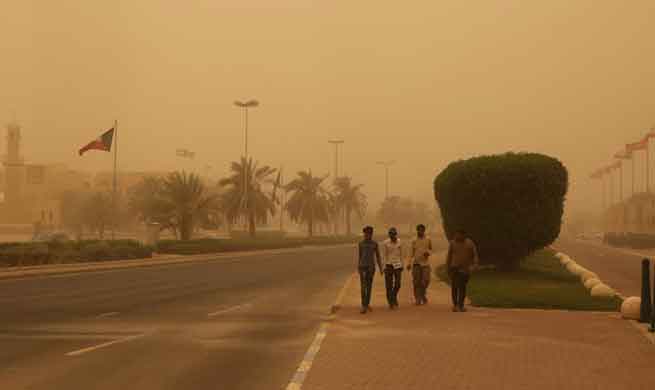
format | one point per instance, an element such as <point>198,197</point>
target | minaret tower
<point>13,166</point>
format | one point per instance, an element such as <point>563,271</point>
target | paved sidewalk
<point>429,347</point>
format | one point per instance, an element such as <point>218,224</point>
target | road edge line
<point>643,330</point>
<point>305,365</point>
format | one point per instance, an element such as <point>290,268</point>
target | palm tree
<point>252,203</point>
<point>350,199</point>
<point>308,202</point>
<point>187,199</point>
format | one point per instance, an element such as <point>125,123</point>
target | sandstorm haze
<point>422,83</point>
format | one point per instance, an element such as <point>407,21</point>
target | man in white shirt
<point>393,267</point>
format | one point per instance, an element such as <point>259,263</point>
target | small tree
<point>308,202</point>
<point>349,198</point>
<point>510,204</point>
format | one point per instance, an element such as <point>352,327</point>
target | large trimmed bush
<point>511,204</point>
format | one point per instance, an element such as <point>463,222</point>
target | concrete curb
<point>581,272</point>
<point>75,268</point>
<point>337,303</point>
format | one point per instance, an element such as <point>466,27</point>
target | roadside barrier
<point>646,301</point>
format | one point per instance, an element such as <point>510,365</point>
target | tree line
<point>251,194</point>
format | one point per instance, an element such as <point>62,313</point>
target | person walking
<point>393,267</point>
<point>420,265</point>
<point>461,261</point>
<point>369,254</point>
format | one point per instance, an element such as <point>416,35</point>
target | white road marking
<point>229,309</point>
<point>643,329</point>
<point>110,314</point>
<point>308,360</point>
<point>104,345</point>
<point>306,364</point>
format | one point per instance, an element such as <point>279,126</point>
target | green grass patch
<point>540,283</point>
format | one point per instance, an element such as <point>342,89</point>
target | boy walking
<point>369,254</point>
<point>393,267</point>
<point>462,260</point>
<point>420,265</point>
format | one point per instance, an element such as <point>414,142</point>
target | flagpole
<point>633,175</point>
<point>621,180</point>
<point>647,165</point>
<point>115,200</point>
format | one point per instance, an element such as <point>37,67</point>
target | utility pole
<point>386,165</point>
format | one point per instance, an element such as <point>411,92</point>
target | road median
<point>156,260</point>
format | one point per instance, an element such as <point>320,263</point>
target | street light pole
<point>336,143</point>
<point>386,165</point>
<point>245,106</point>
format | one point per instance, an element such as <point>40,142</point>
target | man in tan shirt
<point>420,265</point>
<point>462,260</point>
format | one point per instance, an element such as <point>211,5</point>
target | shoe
<point>363,311</point>
<point>455,309</point>
<point>391,306</point>
<point>425,300</point>
<point>369,309</point>
<point>462,309</point>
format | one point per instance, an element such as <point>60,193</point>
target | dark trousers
<point>392,283</point>
<point>458,281</point>
<point>366,280</point>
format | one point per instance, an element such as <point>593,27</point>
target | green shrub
<point>509,204</point>
<point>53,252</point>
<point>211,245</point>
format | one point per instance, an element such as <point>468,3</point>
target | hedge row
<point>211,245</point>
<point>630,240</point>
<point>55,252</point>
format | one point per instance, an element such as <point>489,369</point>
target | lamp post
<point>245,106</point>
<point>386,165</point>
<point>336,143</point>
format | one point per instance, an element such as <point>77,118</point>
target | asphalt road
<point>619,268</point>
<point>234,323</point>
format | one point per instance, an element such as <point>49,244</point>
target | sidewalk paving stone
<point>429,347</point>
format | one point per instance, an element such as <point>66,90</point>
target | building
<point>31,192</point>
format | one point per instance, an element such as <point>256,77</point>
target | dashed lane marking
<point>110,314</point>
<point>105,345</point>
<point>229,309</point>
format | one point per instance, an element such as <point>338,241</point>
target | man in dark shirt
<point>369,254</point>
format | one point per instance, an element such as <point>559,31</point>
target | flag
<point>598,174</point>
<point>623,155</point>
<point>185,153</point>
<point>641,145</point>
<point>102,143</point>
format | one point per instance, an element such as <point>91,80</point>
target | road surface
<point>619,268</point>
<point>235,323</point>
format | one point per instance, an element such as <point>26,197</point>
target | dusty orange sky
<point>422,82</point>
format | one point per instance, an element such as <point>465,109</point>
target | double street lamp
<point>245,106</point>
<point>336,143</point>
<point>386,165</point>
